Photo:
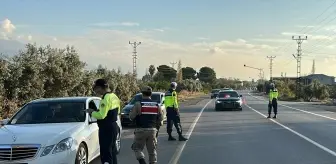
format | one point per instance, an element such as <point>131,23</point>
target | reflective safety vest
<point>109,109</point>
<point>171,99</point>
<point>273,94</point>
<point>149,114</point>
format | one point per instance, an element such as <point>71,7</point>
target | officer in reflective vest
<point>147,115</point>
<point>107,117</point>
<point>173,116</point>
<point>273,101</point>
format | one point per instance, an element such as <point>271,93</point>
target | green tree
<point>189,73</point>
<point>167,72</point>
<point>207,74</point>
<point>151,70</point>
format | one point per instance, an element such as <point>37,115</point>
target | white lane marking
<point>297,133</point>
<point>175,158</point>
<point>304,111</point>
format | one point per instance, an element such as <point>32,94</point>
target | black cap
<point>101,83</point>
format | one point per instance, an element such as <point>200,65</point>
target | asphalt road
<point>302,134</point>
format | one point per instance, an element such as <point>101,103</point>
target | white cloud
<point>159,30</point>
<point>29,37</point>
<point>109,24</point>
<point>7,26</point>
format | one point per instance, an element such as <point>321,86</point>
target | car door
<point>94,139</point>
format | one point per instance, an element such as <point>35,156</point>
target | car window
<point>97,103</point>
<point>228,94</point>
<point>215,91</point>
<point>50,112</point>
<point>155,97</point>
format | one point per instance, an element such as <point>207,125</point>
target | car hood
<point>44,134</point>
<point>228,99</point>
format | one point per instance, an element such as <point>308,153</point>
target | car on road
<point>228,100</point>
<point>214,93</point>
<point>226,89</point>
<point>156,96</point>
<point>52,131</point>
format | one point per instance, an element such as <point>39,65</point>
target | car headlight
<point>217,102</point>
<point>239,101</point>
<point>63,145</point>
<point>47,150</point>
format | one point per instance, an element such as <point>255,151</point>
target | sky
<point>221,34</point>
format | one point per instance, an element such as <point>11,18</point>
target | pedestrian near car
<point>107,117</point>
<point>273,101</point>
<point>173,115</point>
<point>147,115</point>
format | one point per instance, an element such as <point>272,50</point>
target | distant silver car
<point>156,96</point>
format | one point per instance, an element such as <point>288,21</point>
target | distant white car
<point>52,131</point>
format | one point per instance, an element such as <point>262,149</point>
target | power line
<point>285,47</point>
<point>271,58</point>
<point>299,41</point>
<point>134,45</point>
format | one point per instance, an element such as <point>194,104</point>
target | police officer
<point>147,115</point>
<point>273,101</point>
<point>173,116</point>
<point>107,117</point>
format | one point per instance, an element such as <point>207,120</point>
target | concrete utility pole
<point>299,41</point>
<point>134,45</point>
<point>261,71</point>
<point>271,58</point>
<point>173,64</point>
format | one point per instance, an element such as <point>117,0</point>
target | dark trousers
<point>173,117</point>
<point>157,132</point>
<point>107,141</point>
<point>274,105</point>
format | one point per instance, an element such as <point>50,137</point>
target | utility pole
<point>261,71</point>
<point>173,64</point>
<point>134,45</point>
<point>299,41</point>
<point>271,58</point>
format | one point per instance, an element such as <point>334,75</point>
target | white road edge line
<point>176,156</point>
<point>304,111</point>
<point>297,133</point>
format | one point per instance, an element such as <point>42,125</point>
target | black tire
<point>82,155</point>
<point>240,109</point>
<point>118,142</point>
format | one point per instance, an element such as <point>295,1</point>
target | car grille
<point>17,152</point>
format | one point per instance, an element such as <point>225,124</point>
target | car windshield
<point>227,94</point>
<point>50,112</point>
<point>215,91</point>
<point>155,97</point>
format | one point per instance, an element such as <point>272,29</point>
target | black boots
<point>269,116</point>
<point>171,138</point>
<point>181,138</point>
<point>142,161</point>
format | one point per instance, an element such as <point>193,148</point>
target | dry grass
<point>185,95</point>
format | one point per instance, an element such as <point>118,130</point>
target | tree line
<point>44,72</point>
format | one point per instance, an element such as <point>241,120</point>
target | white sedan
<point>52,131</point>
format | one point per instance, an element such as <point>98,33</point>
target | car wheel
<point>82,155</point>
<point>240,109</point>
<point>118,142</point>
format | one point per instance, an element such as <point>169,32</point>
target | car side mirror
<point>4,122</point>
<point>240,95</point>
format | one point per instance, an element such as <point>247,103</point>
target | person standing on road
<point>147,115</point>
<point>107,117</point>
<point>273,101</point>
<point>173,116</point>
